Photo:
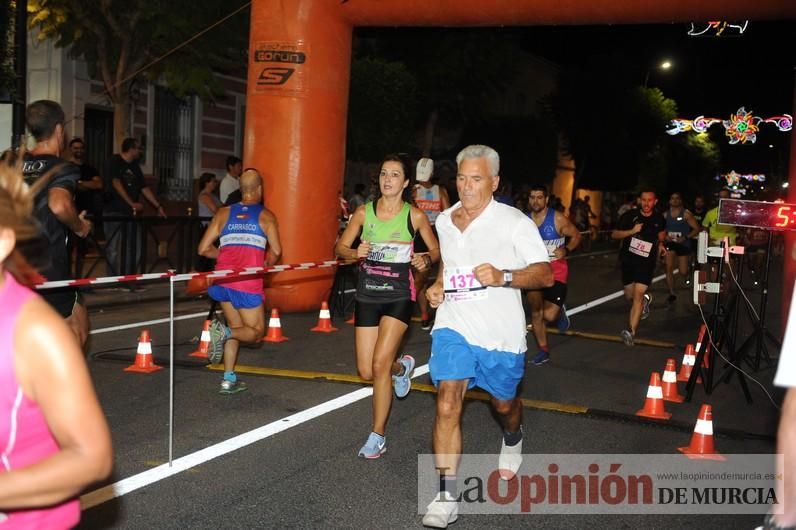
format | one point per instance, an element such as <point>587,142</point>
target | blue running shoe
<point>541,358</point>
<point>563,322</point>
<point>374,447</point>
<point>402,384</point>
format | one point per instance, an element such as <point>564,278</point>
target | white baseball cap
<point>425,168</point>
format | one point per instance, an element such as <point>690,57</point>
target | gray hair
<point>481,151</point>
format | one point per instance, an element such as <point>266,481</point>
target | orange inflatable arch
<point>299,65</point>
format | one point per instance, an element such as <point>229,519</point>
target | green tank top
<point>396,230</point>
<point>385,274</point>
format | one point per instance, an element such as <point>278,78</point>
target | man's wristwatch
<point>507,277</point>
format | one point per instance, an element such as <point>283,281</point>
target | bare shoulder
<point>42,335</point>
<point>267,216</point>
<point>416,213</point>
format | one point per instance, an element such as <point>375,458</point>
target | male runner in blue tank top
<point>547,305</point>
<point>244,230</point>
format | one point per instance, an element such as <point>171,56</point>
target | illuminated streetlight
<point>663,65</point>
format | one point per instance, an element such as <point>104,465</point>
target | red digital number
<point>783,213</point>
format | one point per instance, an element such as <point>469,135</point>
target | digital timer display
<point>757,214</point>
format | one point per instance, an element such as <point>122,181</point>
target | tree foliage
<point>528,146</point>
<point>609,126</point>
<point>381,109</point>
<point>457,72</point>
<point>120,40</point>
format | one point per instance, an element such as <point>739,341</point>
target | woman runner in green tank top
<point>385,288</point>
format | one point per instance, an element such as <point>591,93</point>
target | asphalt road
<point>304,472</point>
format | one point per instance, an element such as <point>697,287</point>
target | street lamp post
<point>664,65</point>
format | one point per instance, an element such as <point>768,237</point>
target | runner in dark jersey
<point>55,210</point>
<point>642,232</point>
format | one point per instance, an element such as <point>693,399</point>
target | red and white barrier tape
<point>187,276</point>
<point>257,270</point>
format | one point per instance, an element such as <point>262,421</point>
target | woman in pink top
<point>54,440</point>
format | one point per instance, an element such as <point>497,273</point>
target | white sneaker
<point>510,460</point>
<point>442,511</point>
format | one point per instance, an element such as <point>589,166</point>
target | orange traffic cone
<point>700,337</point>
<point>689,360</point>
<point>204,342</point>
<point>701,446</point>
<point>669,385</point>
<point>274,328</point>
<point>324,320</point>
<point>352,320</point>
<point>653,406</point>
<point>143,356</point>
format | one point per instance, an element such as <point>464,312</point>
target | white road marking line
<point>145,323</point>
<point>598,301</point>
<point>163,471</point>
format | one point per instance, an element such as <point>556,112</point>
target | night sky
<point>710,76</point>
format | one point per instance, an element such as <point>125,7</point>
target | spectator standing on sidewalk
<point>125,185</point>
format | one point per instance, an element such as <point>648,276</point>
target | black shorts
<point>556,294</point>
<point>633,272</point>
<point>368,314</point>
<point>420,244</point>
<point>62,300</point>
<point>681,249</point>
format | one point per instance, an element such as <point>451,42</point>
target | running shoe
<point>627,337</point>
<point>402,384</point>
<point>645,306</point>
<point>563,322</point>
<point>442,511</point>
<point>540,358</point>
<point>232,387</point>
<point>374,447</point>
<point>425,324</point>
<point>510,460</point>
<point>218,336</point>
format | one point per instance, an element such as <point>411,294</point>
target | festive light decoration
<point>742,126</point>
<point>733,178</point>
<point>717,28</point>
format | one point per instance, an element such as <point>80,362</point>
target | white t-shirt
<point>786,369</point>
<point>228,185</point>
<point>491,317</point>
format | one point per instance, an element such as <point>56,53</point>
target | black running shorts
<point>556,294</point>
<point>369,314</point>
<point>633,272</point>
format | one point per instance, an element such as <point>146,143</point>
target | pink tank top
<point>24,436</point>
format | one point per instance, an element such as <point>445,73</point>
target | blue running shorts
<point>238,299</point>
<point>452,358</point>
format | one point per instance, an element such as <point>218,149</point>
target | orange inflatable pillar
<point>296,109</point>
